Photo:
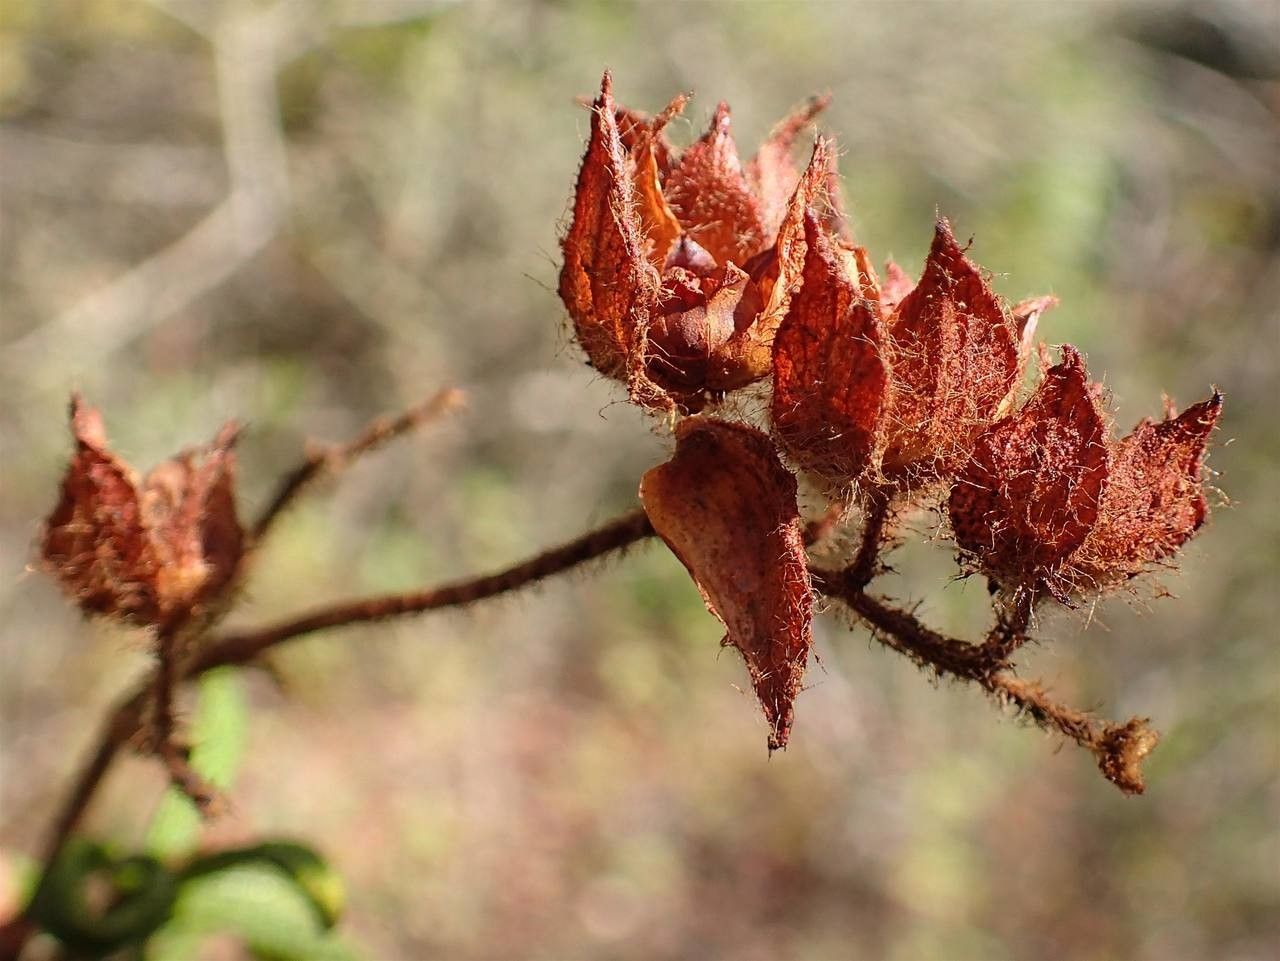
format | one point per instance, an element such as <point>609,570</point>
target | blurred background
<point>304,214</point>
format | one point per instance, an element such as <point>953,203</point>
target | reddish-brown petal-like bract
<point>635,126</point>
<point>748,355</point>
<point>1049,500</point>
<point>658,222</point>
<point>710,193</point>
<point>607,283</point>
<point>95,541</point>
<point>189,507</point>
<point>1026,318</point>
<point>726,507</point>
<point>1031,492</point>
<point>678,269</point>
<point>1154,501</point>
<point>955,359</point>
<point>895,288</point>
<point>693,322</point>
<point>830,381</point>
<point>772,172</point>
<point>144,552</point>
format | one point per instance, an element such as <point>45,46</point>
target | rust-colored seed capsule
<point>1030,493</point>
<point>679,268</point>
<point>954,355</point>
<point>1049,499</point>
<point>727,508</point>
<point>1154,501</point>
<point>830,379</point>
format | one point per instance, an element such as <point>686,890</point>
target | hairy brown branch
<point>335,457</point>
<point>240,648</point>
<point>126,718</point>
<point>1118,748</point>
<point>866,562</point>
<point>904,633</point>
<point>1013,622</point>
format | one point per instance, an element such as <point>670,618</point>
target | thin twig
<point>1012,624</point>
<point>1118,748</point>
<point>864,567</point>
<point>903,632</point>
<point>335,457</point>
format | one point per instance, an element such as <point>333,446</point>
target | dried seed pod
<point>143,552</point>
<point>726,507</point>
<point>645,310</point>
<point>954,357</point>
<point>748,355</point>
<point>1154,501</point>
<point>897,397</point>
<point>1049,500</point>
<point>830,380</point>
<point>709,191</point>
<point>606,282</point>
<point>95,541</point>
<point>1030,493</point>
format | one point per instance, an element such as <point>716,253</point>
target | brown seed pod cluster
<point>689,275</point>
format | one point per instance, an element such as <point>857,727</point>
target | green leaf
<point>254,899</point>
<point>308,869</point>
<point>218,735</point>
<point>95,903</point>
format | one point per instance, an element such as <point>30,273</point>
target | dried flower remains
<point>146,550</point>
<point>689,275</point>
<point>1051,501</point>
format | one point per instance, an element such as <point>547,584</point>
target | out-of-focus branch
<point>246,56</point>
<point>332,458</point>
<point>863,568</point>
<point>181,774</point>
<point>1118,748</point>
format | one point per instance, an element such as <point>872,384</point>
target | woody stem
<point>181,773</point>
<point>893,627</point>
<point>1118,748</point>
<point>1011,630</point>
<point>375,434</point>
<point>126,717</point>
<point>244,647</point>
<point>863,569</point>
